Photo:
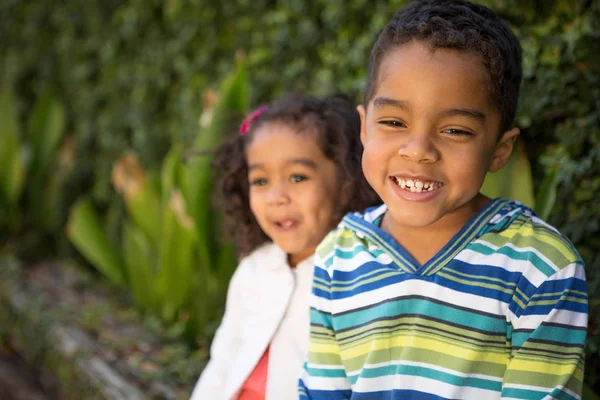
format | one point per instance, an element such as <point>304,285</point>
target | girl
<point>284,183</point>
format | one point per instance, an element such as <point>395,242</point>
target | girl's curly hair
<point>335,123</point>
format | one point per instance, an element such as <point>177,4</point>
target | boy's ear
<point>363,122</point>
<point>504,149</point>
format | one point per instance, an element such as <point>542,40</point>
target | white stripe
<point>422,384</point>
<point>323,383</point>
<point>527,249</point>
<point>430,366</point>
<point>416,287</point>
<point>496,260</point>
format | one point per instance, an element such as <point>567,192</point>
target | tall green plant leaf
<point>45,131</point>
<point>141,197</point>
<point>176,259</point>
<point>139,259</point>
<point>546,195</point>
<point>12,157</point>
<point>514,180</point>
<point>233,102</point>
<point>85,232</point>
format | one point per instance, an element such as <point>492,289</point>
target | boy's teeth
<point>417,186</point>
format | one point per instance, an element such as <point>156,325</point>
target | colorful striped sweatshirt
<point>499,312</point>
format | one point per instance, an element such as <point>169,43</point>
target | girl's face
<point>294,188</point>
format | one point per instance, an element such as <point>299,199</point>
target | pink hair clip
<point>245,127</point>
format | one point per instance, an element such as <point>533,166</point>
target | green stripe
<point>399,260</point>
<point>459,243</point>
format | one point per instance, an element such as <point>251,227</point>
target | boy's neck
<point>422,243</point>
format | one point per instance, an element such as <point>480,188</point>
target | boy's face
<point>430,135</point>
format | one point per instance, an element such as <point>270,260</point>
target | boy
<point>442,293</point>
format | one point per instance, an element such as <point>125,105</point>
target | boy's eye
<point>298,178</point>
<point>457,132</point>
<point>393,123</point>
<point>258,182</point>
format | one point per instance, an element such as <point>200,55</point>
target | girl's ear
<point>363,122</point>
<point>503,149</point>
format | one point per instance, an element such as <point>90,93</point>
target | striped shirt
<point>499,312</point>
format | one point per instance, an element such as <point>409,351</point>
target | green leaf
<point>233,102</point>
<point>12,156</point>
<point>85,232</point>
<point>46,130</point>
<point>170,173</point>
<point>514,180</point>
<point>141,196</point>
<point>546,196</point>
<point>176,257</point>
<point>588,394</point>
<point>139,256</point>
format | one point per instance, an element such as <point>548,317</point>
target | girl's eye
<point>393,123</point>
<point>298,178</point>
<point>258,182</point>
<point>457,132</point>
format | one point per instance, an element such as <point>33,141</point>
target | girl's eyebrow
<point>254,166</point>
<point>302,161</point>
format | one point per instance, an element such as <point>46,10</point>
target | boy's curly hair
<point>460,25</point>
<point>336,124</point>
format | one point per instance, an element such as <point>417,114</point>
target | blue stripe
<point>396,395</point>
<point>523,394</point>
<point>416,305</point>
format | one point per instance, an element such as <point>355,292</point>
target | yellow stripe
<point>545,367</point>
<point>488,278</point>
<point>360,277</point>
<point>550,302</point>
<point>375,279</point>
<point>434,344</point>
<point>527,230</point>
<point>478,284</point>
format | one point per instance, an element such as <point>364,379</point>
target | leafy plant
<point>170,256</point>
<point>29,192</point>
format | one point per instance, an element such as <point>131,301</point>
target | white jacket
<point>267,303</point>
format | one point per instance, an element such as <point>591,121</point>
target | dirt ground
<point>18,381</point>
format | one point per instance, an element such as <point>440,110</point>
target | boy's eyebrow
<point>462,112</point>
<point>465,112</point>
<point>386,101</point>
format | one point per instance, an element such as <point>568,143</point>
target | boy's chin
<point>403,218</point>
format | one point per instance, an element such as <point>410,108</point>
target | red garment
<point>255,387</point>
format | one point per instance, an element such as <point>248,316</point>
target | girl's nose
<point>277,196</point>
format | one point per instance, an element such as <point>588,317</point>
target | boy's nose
<point>419,149</point>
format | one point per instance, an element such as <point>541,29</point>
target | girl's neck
<point>297,258</point>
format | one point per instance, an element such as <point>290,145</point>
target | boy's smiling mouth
<point>416,185</point>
